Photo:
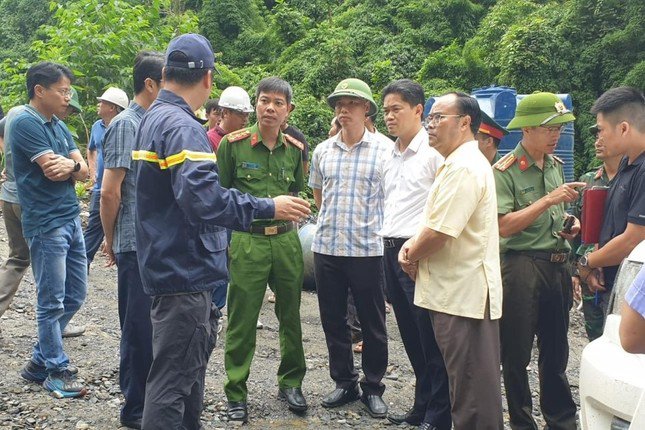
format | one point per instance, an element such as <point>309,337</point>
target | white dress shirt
<point>408,177</point>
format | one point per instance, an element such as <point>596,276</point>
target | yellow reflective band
<point>174,159</point>
<point>184,155</point>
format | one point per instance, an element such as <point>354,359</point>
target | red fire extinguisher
<point>593,211</point>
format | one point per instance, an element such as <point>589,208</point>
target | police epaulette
<point>238,135</point>
<point>295,142</point>
<point>558,159</point>
<point>505,162</point>
<point>599,173</point>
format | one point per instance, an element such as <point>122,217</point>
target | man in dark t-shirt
<point>620,120</point>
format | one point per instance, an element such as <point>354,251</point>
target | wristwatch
<point>584,260</point>
<point>77,167</point>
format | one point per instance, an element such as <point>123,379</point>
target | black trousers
<point>136,336</point>
<point>537,298</point>
<point>184,330</point>
<point>335,276</point>
<point>431,395</point>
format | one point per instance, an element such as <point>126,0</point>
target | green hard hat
<point>540,109</point>
<point>74,101</point>
<point>353,87</point>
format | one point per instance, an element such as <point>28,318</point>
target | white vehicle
<point>612,381</point>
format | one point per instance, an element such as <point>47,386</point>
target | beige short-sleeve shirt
<point>459,278</point>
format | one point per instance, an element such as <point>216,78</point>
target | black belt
<point>551,256</point>
<point>393,242</point>
<point>272,230</point>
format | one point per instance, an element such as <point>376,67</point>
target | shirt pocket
<point>249,172</point>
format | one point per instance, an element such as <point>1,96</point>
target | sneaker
<point>259,325</point>
<point>36,373</point>
<point>64,385</point>
<point>73,330</point>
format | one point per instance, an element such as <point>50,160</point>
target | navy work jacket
<point>181,209</point>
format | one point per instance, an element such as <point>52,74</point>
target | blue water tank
<point>500,104</point>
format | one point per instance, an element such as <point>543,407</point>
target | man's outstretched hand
<point>291,208</point>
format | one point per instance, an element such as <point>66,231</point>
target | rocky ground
<point>25,405</point>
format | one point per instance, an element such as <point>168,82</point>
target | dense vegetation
<point>583,47</point>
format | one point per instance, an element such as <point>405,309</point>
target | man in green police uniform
<point>531,198</point>
<point>594,305</point>
<point>262,161</point>
<point>489,136</point>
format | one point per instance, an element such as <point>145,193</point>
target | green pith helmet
<point>353,87</point>
<point>540,109</point>
<point>74,101</point>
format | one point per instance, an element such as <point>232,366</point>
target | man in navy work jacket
<point>181,215</point>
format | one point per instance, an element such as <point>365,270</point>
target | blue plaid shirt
<point>351,180</point>
<point>118,144</point>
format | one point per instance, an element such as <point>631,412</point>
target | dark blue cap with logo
<point>196,49</point>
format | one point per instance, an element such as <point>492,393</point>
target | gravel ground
<point>25,405</point>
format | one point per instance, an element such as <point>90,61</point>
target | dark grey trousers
<point>471,351</point>
<point>184,331</point>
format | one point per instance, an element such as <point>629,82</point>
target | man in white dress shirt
<point>409,173</point>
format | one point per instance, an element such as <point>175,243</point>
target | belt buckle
<point>271,230</point>
<point>560,257</point>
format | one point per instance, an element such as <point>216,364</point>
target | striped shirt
<point>351,180</point>
<point>118,144</point>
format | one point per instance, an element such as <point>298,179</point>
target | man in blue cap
<point>181,215</point>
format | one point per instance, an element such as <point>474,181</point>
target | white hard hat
<point>237,99</point>
<point>116,96</point>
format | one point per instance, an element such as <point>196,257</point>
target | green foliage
<point>582,47</point>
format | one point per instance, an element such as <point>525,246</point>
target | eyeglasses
<point>64,93</point>
<point>552,128</point>
<point>436,118</point>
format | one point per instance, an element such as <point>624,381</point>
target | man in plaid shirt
<point>346,178</point>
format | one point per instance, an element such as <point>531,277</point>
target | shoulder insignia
<point>558,159</point>
<point>238,135</point>
<point>505,162</point>
<point>295,142</point>
<point>254,140</point>
<point>599,173</point>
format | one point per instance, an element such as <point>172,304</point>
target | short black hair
<point>410,91</point>
<point>180,75</point>
<point>212,104</point>
<point>147,64</point>
<point>273,84</point>
<point>45,74</point>
<point>467,105</point>
<point>622,104</point>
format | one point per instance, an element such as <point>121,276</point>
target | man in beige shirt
<point>455,261</point>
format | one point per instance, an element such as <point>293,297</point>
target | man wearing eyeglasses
<point>46,164</point>
<point>531,199</point>
<point>454,258</point>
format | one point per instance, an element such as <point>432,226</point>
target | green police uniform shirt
<point>245,163</point>
<point>520,183</point>
<point>594,178</point>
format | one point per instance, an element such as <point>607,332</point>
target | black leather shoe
<point>131,423</point>
<point>295,400</point>
<point>236,411</point>
<point>427,426</point>
<point>341,396</point>
<point>376,407</point>
<point>411,417</point>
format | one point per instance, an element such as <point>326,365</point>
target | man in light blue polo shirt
<point>46,164</point>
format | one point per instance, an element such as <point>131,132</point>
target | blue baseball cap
<point>196,49</point>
